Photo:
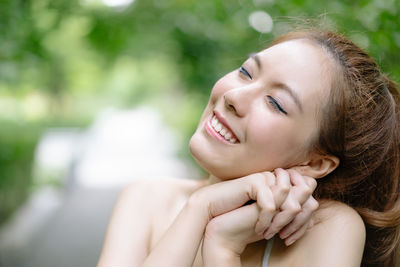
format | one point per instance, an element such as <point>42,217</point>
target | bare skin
<point>269,109</point>
<point>337,237</point>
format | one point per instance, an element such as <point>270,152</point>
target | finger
<point>279,221</point>
<point>302,189</point>
<point>291,202</point>
<point>300,219</point>
<point>296,235</point>
<point>268,178</point>
<point>311,182</point>
<point>265,201</point>
<point>291,208</point>
<point>282,187</point>
<point>241,218</point>
<point>266,214</point>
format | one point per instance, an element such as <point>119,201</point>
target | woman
<point>312,104</point>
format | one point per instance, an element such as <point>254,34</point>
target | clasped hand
<point>255,207</point>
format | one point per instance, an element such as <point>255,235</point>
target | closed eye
<point>276,105</point>
<point>245,72</point>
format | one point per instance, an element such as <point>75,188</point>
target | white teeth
<point>222,130</point>
<point>214,122</point>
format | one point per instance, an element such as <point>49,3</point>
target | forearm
<point>179,245</point>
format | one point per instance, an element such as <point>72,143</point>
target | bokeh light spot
<point>261,21</point>
<point>117,3</point>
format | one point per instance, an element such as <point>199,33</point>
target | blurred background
<point>96,93</point>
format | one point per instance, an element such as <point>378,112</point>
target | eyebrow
<point>256,59</point>
<point>280,85</point>
<point>291,92</point>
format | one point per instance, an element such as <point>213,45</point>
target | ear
<point>318,166</point>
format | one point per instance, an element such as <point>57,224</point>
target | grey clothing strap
<point>267,252</point>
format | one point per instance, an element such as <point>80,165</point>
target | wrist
<point>216,238</point>
<point>200,205</point>
<point>216,254</point>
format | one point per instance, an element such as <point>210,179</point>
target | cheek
<point>217,91</point>
<point>206,113</point>
<point>276,139</point>
<point>221,86</point>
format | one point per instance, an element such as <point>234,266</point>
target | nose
<point>238,100</point>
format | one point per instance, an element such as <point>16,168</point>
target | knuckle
<point>270,207</point>
<point>295,208</point>
<point>257,181</point>
<point>273,228</point>
<point>290,205</point>
<point>280,171</point>
<point>314,205</point>
<point>312,183</point>
<point>284,189</point>
<point>269,178</point>
<point>306,190</point>
<point>260,179</point>
<point>309,191</point>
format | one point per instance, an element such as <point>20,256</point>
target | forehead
<point>301,64</point>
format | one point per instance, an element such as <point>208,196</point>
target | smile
<point>218,130</point>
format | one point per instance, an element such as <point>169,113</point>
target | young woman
<point>312,104</point>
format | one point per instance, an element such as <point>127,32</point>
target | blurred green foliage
<point>64,60</point>
<point>17,148</point>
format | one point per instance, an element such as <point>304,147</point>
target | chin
<point>222,169</point>
<point>209,163</point>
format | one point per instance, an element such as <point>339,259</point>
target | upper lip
<point>224,123</point>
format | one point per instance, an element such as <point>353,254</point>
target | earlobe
<point>319,166</point>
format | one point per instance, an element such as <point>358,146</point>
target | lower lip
<point>210,130</point>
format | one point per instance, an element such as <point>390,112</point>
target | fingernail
<point>283,235</point>
<point>261,231</point>
<point>289,242</point>
<point>268,235</point>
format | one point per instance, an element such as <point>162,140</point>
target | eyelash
<point>271,100</point>
<point>276,105</point>
<point>245,72</point>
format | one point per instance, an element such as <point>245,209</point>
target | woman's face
<point>264,115</point>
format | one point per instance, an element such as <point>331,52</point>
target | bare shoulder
<point>157,199</point>
<point>160,191</point>
<point>162,199</point>
<point>143,209</point>
<point>336,239</point>
<point>339,215</point>
<point>339,224</point>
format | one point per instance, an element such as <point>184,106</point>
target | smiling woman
<point>295,120</point>
<point>266,115</point>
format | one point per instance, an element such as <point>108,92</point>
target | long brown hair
<point>360,125</point>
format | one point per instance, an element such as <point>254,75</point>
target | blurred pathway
<point>66,227</point>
